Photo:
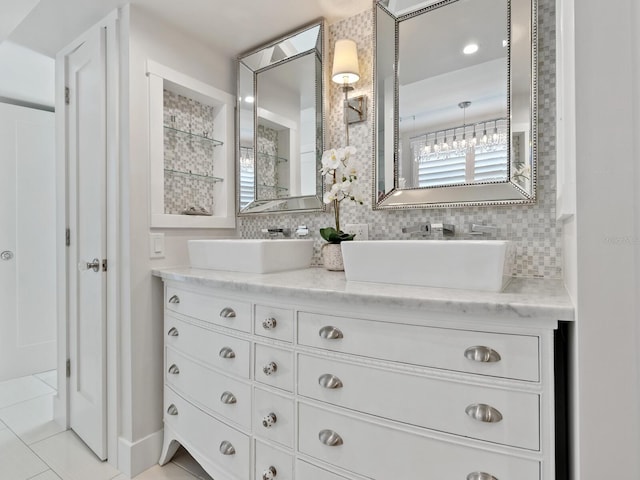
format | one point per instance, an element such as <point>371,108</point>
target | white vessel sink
<point>251,256</point>
<point>468,264</point>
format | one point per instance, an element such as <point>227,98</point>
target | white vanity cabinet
<point>271,385</point>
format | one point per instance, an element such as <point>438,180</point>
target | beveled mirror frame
<point>491,193</point>
<point>305,203</point>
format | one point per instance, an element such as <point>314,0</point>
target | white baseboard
<point>136,457</point>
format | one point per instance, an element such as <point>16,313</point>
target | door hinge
<point>67,96</point>
<point>68,368</point>
<point>104,264</point>
<point>67,237</point>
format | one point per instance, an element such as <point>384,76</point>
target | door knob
<point>92,265</point>
<point>6,255</point>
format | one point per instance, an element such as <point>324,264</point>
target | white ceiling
<point>229,27</point>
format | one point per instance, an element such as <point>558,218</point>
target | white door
<point>86,137</point>
<point>27,242</point>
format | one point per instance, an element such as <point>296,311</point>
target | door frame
<point>61,402</point>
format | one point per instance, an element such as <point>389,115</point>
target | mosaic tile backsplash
<point>188,160</point>
<point>532,228</point>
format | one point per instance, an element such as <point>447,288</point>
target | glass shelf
<point>273,186</point>
<point>208,178</point>
<point>268,155</point>
<point>213,141</point>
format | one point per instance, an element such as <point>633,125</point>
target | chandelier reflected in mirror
<point>470,153</point>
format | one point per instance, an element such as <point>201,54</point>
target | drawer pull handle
<point>228,398</point>
<point>226,448</point>
<point>483,413</point>
<point>226,352</point>
<point>174,299</point>
<point>330,381</point>
<point>173,332</point>
<point>269,474</point>
<point>330,438</point>
<point>174,369</point>
<point>228,312</point>
<point>269,323</point>
<point>270,368</point>
<point>482,354</point>
<point>330,333</point>
<point>269,420</point>
<point>480,476</point>
<point>172,410</point>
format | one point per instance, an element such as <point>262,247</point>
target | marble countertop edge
<point>523,297</point>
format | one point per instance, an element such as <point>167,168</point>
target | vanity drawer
<point>310,472</point>
<point>273,322</point>
<point>274,366</point>
<point>386,452</point>
<point>273,417</point>
<point>207,436</point>
<point>222,394</point>
<point>270,460</point>
<point>427,346</point>
<point>226,312</point>
<point>216,349</point>
<point>425,402</point>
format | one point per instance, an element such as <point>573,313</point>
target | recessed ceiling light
<point>249,99</point>
<point>470,49</point>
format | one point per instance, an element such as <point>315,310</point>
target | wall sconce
<point>345,72</point>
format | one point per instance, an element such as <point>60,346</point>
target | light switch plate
<point>156,245</point>
<point>361,230</point>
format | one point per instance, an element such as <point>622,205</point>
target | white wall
<point>144,37</point>
<point>602,242</point>
<point>26,76</point>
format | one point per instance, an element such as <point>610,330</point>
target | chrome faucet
<point>476,229</point>
<point>424,229</point>
<point>273,232</point>
<point>447,229</point>
<point>302,231</point>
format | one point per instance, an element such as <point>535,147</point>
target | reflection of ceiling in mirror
<point>294,78</point>
<point>434,74</point>
<point>432,43</point>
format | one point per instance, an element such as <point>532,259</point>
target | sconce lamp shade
<point>345,62</point>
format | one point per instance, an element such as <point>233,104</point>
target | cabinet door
<point>449,349</point>
<point>432,403</point>
<point>386,452</point>
<point>224,352</point>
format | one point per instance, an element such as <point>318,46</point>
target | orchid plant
<point>340,172</point>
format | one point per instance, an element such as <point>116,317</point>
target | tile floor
<point>34,447</point>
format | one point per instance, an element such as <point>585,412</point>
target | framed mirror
<point>280,124</point>
<point>455,110</point>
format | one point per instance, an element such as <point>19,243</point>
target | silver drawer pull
<point>483,413</point>
<point>330,438</point>
<point>330,333</point>
<point>226,448</point>
<point>226,352</point>
<point>482,354</point>
<point>228,398</point>
<point>269,323</point>
<point>228,312</point>
<point>330,381</point>
<point>173,332</point>
<point>174,299</point>
<point>269,420</point>
<point>269,474</point>
<point>174,369</point>
<point>270,368</point>
<point>172,410</point>
<point>480,476</point>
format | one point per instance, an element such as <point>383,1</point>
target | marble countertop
<point>523,297</point>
